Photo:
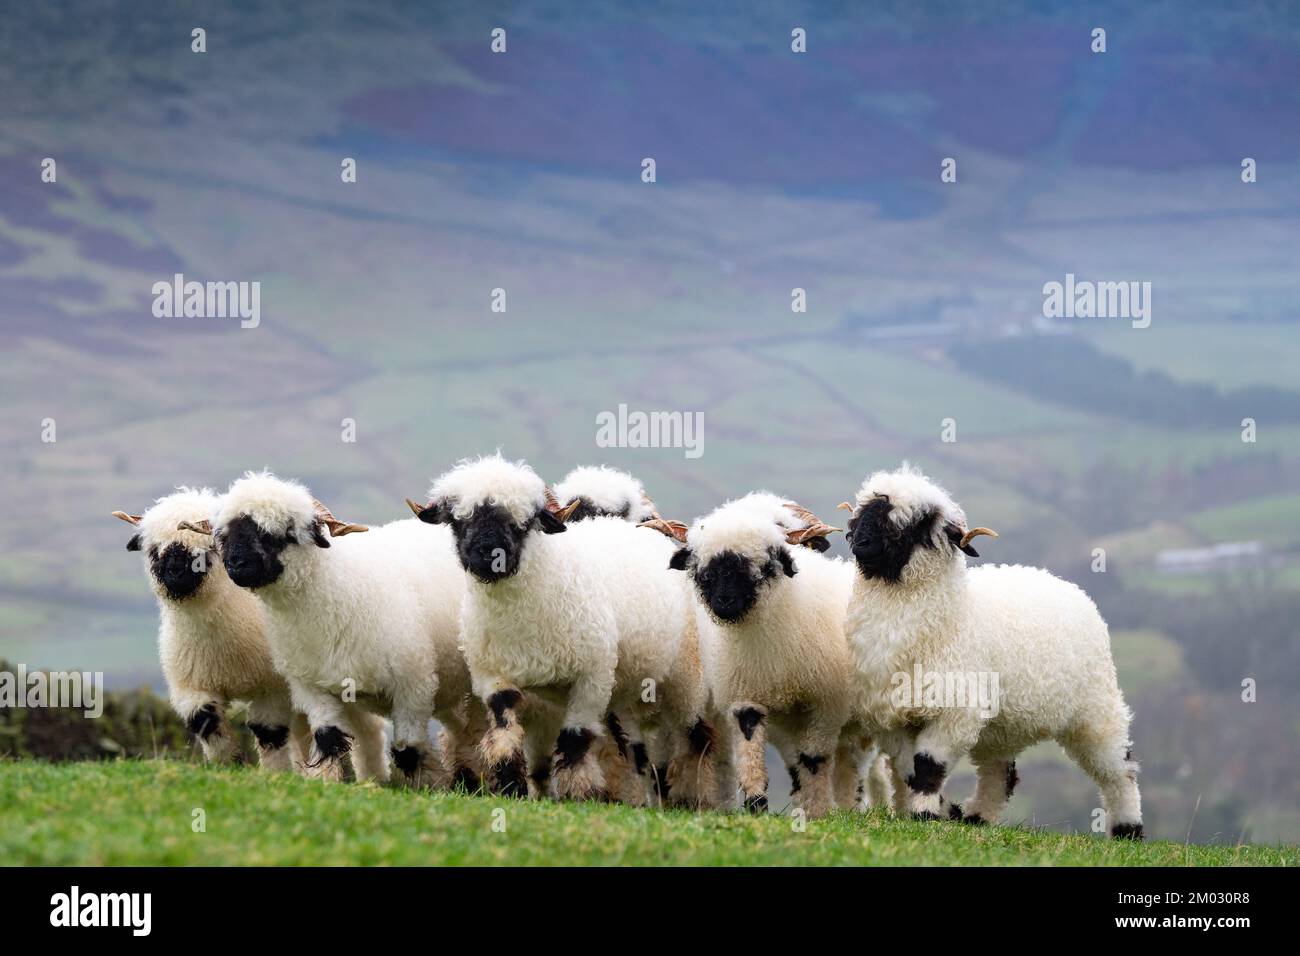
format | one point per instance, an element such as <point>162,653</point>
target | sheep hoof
<point>464,778</point>
<point>974,820</point>
<point>926,816</point>
<point>508,777</point>
<point>954,812</point>
<point>1127,831</point>
<point>757,803</point>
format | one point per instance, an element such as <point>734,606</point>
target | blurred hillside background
<point>775,170</point>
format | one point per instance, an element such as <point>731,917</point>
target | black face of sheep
<point>177,569</point>
<point>250,554</point>
<point>880,547</point>
<point>729,583</point>
<point>489,542</point>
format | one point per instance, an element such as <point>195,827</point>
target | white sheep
<point>600,491</point>
<point>981,662</point>
<point>212,637</point>
<point>777,661</point>
<point>366,622</point>
<point>584,615</point>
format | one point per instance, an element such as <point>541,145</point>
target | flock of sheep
<point>573,643</point>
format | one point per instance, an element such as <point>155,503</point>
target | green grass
<point>141,813</point>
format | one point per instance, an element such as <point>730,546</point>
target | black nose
<point>728,609</point>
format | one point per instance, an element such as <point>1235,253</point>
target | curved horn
<point>129,519</point>
<point>975,533</point>
<point>198,527</point>
<point>844,506</point>
<point>552,502</point>
<point>650,507</point>
<point>673,529</point>
<point>415,508</point>
<point>565,513</point>
<point>337,528</point>
<point>813,533</point>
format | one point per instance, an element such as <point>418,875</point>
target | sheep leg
<point>995,779</point>
<point>850,758</point>
<point>413,755</point>
<point>1104,752</point>
<point>205,718</point>
<point>932,756</point>
<point>543,724</point>
<point>808,758</point>
<point>575,772</point>
<point>724,762</point>
<point>502,748</point>
<point>370,752</point>
<point>269,719</point>
<point>300,740</point>
<point>751,756</point>
<point>692,776</point>
<point>332,732</point>
<point>622,780</point>
<point>458,741</point>
<point>879,776</point>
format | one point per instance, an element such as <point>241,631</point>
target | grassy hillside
<point>142,812</point>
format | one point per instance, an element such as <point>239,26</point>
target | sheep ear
<point>678,561</point>
<point>787,562</point>
<point>318,535</point>
<point>134,543</point>
<point>957,535</point>
<point>433,513</point>
<point>550,522</point>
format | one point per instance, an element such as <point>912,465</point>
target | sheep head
<point>905,528</point>
<point>741,549</point>
<point>600,491</point>
<point>263,523</point>
<point>178,561</point>
<point>492,505</point>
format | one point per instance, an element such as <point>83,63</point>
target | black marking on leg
<point>502,701</point>
<point>617,732</point>
<point>1013,778</point>
<point>748,718</point>
<point>541,774</point>
<point>757,803</point>
<point>927,775</point>
<point>466,777</point>
<point>812,764</point>
<point>795,782</point>
<point>508,776</point>
<point>702,737</point>
<point>640,758</point>
<point>926,815</point>
<point>204,722</point>
<point>331,743</point>
<point>571,746</point>
<point>407,759</point>
<point>974,820</point>
<point>270,737</point>
<point>1128,754</point>
<point>1127,831</point>
<point>660,781</point>
<point>954,812</point>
